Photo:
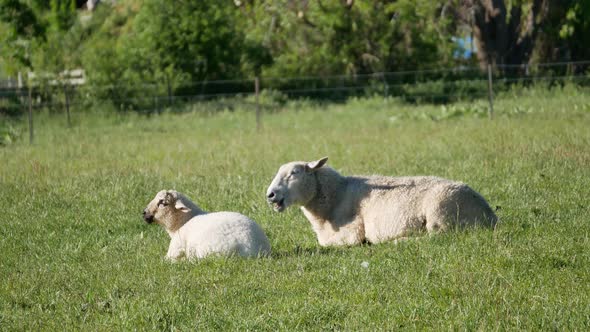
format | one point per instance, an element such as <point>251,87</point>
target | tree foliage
<point>183,40</point>
<point>333,37</point>
<point>565,36</point>
<point>132,45</point>
<point>161,47</point>
<point>63,14</point>
<point>23,28</point>
<point>525,31</point>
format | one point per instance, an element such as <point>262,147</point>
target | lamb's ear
<point>314,165</point>
<point>179,205</point>
<point>169,198</point>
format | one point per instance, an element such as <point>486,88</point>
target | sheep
<point>195,233</point>
<point>371,209</point>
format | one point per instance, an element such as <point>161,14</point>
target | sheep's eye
<point>161,202</point>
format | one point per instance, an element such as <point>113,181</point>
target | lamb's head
<point>170,209</point>
<point>295,183</point>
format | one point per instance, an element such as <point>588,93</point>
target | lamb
<point>358,209</point>
<point>195,233</point>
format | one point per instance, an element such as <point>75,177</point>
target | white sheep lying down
<point>356,209</point>
<point>195,233</point>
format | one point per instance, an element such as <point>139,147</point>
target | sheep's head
<point>295,183</point>
<point>165,208</point>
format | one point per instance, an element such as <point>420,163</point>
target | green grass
<point>76,254</point>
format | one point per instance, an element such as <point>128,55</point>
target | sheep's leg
<point>438,217</point>
<point>338,240</point>
<point>351,235</point>
<point>174,256</point>
<point>175,250</point>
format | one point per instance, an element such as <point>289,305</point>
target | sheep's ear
<point>314,165</point>
<point>169,198</point>
<point>179,205</point>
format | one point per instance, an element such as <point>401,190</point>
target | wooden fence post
<point>257,91</point>
<point>169,87</point>
<point>30,114</point>
<point>67,100</point>
<point>386,85</point>
<point>490,92</point>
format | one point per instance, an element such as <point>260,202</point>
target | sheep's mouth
<point>278,206</point>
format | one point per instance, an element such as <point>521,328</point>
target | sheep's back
<point>392,206</point>
<point>224,233</point>
<point>410,189</point>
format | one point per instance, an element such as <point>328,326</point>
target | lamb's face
<point>165,204</point>
<point>295,183</point>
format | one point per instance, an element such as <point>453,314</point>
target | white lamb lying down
<point>196,233</point>
<point>356,209</point>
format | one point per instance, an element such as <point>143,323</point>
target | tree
<point>574,29</point>
<point>104,63</point>
<point>335,37</point>
<point>196,38</point>
<point>158,48</point>
<point>24,28</point>
<point>63,38</point>
<point>171,43</point>
<point>565,34</point>
<point>36,33</point>
<point>505,34</point>
<point>63,14</point>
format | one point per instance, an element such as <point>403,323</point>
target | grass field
<point>76,255</point>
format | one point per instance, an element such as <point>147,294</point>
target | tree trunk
<point>502,38</point>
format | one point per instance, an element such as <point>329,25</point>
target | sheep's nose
<point>148,217</point>
<point>270,195</point>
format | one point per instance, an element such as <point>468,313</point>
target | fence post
<point>21,92</point>
<point>67,100</point>
<point>169,88</point>
<point>386,85</point>
<point>490,91</point>
<point>30,113</point>
<point>19,80</point>
<point>257,91</point>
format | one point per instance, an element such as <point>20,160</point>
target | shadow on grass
<point>299,251</point>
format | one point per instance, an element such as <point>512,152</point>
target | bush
<point>10,104</point>
<point>8,133</point>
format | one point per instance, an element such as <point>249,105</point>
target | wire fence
<point>435,85</point>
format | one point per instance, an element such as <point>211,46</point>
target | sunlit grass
<point>76,254</point>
